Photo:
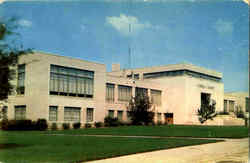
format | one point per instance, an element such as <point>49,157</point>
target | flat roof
<point>174,67</point>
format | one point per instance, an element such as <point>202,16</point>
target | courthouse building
<point>63,89</point>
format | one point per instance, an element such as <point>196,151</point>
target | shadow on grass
<point>10,146</point>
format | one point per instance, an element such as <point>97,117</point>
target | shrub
<point>239,113</point>
<point>222,113</point>
<point>77,125</point>
<point>18,125</point>
<point>88,125</point>
<point>41,124</point>
<point>54,126</point>
<point>66,126</point>
<point>111,122</point>
<point>98,124</point>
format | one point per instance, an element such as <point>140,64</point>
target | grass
<point>36,147</point>
<point>166,131</point>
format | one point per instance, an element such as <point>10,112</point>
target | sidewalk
<point>230,151</point>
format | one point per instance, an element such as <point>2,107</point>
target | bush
<point>54,126</point>
<point>18,125</point>
<point>88,125</point>
<point>66,126</point>
<point>240,114</point>
<point>41,124</point>
<point>222,113</point>
<point>98,124</point>
<point>77,125</point>
<point>111,122</point>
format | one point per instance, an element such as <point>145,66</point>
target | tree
<point>207,110</point>
<point>9,53</point>
<point>140,110</point>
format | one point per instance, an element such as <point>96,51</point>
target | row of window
<point>71,82</point>
<point>179,73</point>
<point>111,113</point>
<point>71,114</point>
<point>125,93</point>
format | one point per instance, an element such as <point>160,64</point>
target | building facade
<point>67,90</point>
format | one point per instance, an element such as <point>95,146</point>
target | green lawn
<point>166,131</point>
<point>33,147</point>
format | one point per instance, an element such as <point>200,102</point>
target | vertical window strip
<point>90,115</point>
<point>53,113</point>
<point>21,79</point>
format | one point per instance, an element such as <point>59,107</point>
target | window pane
<point>71,81</point>
<point>111,113</point>
<point>90,114</point>
<point>53,113</point>
<point>124,93</point>
<point>72,114</point>
<point>120,115</point>
<point>20,112</point>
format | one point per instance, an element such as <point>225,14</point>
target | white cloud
<point>25,23</point>
<point>128,25</point>
<point>224,27</point>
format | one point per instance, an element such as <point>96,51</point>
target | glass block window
<point>53,113</point>
<point>20,79</point>
<point>111,113</point>
<point>72,114</point>
<point>156,97</point>
<point>120,115</point>
<point>124,93</point>
<point>71,82</point>
<point>20,112</point>
<point>90,115</point>
<point>110,92</point>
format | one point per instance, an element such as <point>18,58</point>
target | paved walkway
<point>229,151</point>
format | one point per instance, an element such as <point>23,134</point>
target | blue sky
<point>213,34</point>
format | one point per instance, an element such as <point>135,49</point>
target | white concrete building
<point>62,89</point>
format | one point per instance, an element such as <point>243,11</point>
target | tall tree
<point>140,110</point>
<point>9,53</point>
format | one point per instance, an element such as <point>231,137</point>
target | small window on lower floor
<point>20,112</point>
<point>90,115</point>
<point>53,113</point>
<point>111,113</point>
<point>72,114</point>
<point>120,115</point>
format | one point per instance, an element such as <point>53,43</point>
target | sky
<point>209,33</point>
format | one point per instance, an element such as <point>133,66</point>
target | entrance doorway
<point>169,118</point>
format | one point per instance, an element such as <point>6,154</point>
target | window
<point>225,105</point>
<point>159,117</point>
<point>71,82</point>
<point>247,104</point>
<point>20,112</point>
<point>90,114</point>
<point>72,114</point>
<point>111,113</point>
<point>53,113</point>
<point>21,79</point>
<point>156,97</point>
<point>110,91</point>
<point>120,115</point>
<point>141,91</point>
<point>231,106</point>
<point>124,93</point>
